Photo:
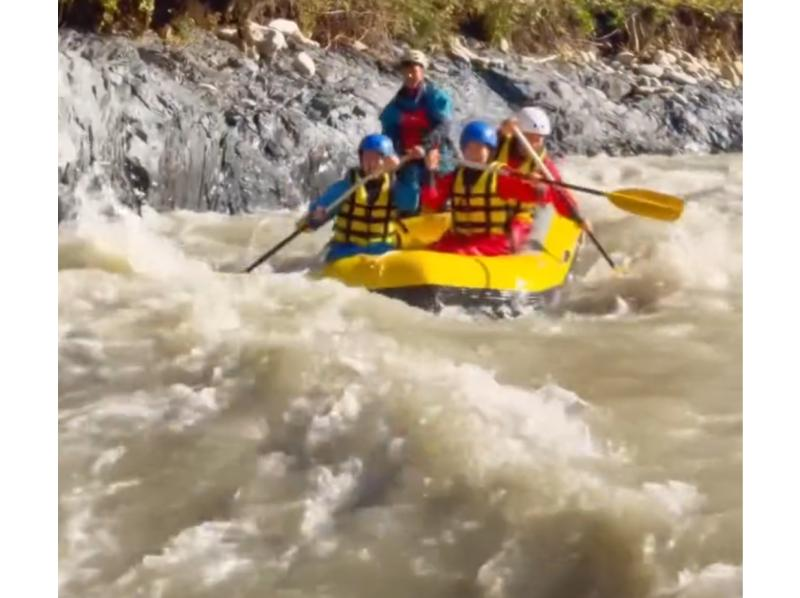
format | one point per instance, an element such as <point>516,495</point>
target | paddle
<point>575,215</point>
<point>300,228</point>
<point>551,179</point>
<point>303,222</point>
<point>642,202</point>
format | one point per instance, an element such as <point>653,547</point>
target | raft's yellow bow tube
<point>432,280</point>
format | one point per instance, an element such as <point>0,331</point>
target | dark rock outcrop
<point>202,127</point>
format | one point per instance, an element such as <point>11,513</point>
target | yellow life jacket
<point>527,166</point>
<point>478,210</point>
<point>364,220</point>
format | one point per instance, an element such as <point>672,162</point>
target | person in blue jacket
<point>367,221</point>
<point>417,120</point>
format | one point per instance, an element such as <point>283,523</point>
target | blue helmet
<point>479,131</point>
<point>377,143</point>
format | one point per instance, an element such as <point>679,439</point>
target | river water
<point>273,435</point>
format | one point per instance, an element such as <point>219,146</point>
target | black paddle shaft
<point>547,181</point>
<point>273,251</point>
<point>574,187</point>
<point>600,248</point>
<point>329,212</point>
<point>576,216</point>
<point>579,219</point>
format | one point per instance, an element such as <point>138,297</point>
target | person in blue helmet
<point>491,211</point>
<point>365,222</point>
<point>418,120</point>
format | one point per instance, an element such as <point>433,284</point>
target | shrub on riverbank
<point>703,27</point>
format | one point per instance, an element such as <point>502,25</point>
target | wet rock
<point>650,70</point>
<point>707,69</point>
<point>663,58</point>
<point>285,26</point>
<point>645,89</point>
<point>258,31</point>
<point>693,68</point>
<point>200,127</point>
<point>505,47</point>
<point>271,43</point>
<point>677,76</point>
<point>597,93</point>
<point>626,58</point>
<point>291,30</point>
<point>679,98</point>
<point>603,68</point>
<point>240,62</point>
<point>459,51</point>
<point>304,65</point>
<point>617,88</point>
<point>228,34</point>
<point>562,89</point>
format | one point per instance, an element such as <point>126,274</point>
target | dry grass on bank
<point>712,28</point>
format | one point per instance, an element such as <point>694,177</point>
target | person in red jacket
<point>534,124</point>
<point>491,211</point>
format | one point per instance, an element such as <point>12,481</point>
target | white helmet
<point>533,120</point>
<point>411,56</point>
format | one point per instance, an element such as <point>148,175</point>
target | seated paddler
<point>365,220</point>
<point>534,124</point>
<point>490,207</point>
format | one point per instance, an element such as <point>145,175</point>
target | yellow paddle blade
<point>647,203</point>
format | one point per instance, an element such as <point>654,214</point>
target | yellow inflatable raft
<point>432,280</point>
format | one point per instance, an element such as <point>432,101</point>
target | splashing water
<point>271,434</point>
